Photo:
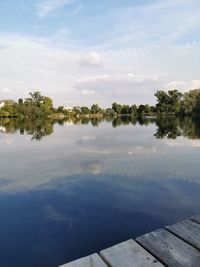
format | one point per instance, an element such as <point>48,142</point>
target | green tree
<point>133,109</point>
<point>36,97</point>
<point>175,100</point>
<point>163,101</point>
<point>117,108</point>
<point>168,101</point>
<point>95,109</point>
<point>37,105</point>
<point>141,109</point>
<point>85,110</point>
<point>20,101</point>
<point>125,109</point>
<point>191,102</point>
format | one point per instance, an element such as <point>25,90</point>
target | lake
<point>71,188</point>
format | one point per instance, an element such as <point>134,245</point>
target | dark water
<point>68,190</point>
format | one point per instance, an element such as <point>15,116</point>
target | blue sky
<point>84,51</point>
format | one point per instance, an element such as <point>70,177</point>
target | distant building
<point>2,104</point>
<point>71,108</point>
<point>68,108</point>
<point>68,123</point>
<point>2,129</point>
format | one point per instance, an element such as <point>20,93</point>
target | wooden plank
<point>188,231</point>
<point>169,249</point>
<point>196,218</point>
<point>90,261</point>
<point>129,254</point>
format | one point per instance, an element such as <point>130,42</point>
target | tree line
<point>170,102</point>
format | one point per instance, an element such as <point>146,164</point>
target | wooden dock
<point>176,245</point>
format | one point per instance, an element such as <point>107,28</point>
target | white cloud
<point>91,59</point>
<point>45,7</point>
<point>182,142</point>
<point>125,75</point>
<point>88,137</point>
<point>125,86</point>
<point>183,85</point>
<point>29,64</point>
<point>87,92</point>
<point>6,141</point>
<point>130,77</point>
<point>6,91</point>
<point>94,167</point>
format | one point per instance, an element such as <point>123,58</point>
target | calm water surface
<point>68,190</point>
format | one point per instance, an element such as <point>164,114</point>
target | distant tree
<point>175,100</point>
<point>20,101</point>
<point>95,109</point>
<point>163,101</point>
<point>85,110</point>
<point>76,110</point>
<point>37,105</point>
<point>168,101</point>
<point>133,109</point>
<point>46,105</point>
<point>36,97</point>
<point>109,111</point>
<point>60,109</point>
<point>125,109</point>
<point>141,108</point>
<point>117,108</point>
<point>191,102</point>
<point>9,108</point>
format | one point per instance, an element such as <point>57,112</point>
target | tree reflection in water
<point>169,127</point>
<point>36,128</point>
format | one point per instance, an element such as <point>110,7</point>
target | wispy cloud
<point>6,91</point>
<point>183,85</point>
<point>87,92</point>
<point>91,59</point>
<point>126,75</point>
<point>45,7</point>
<point>77,10</point>
<point>121,85</point>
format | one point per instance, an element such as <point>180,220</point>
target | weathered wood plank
<point>188,231</point>
<point>90,261</point>
<point>169,249</point>
<point>196,218</point>
<point>129,254</point>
